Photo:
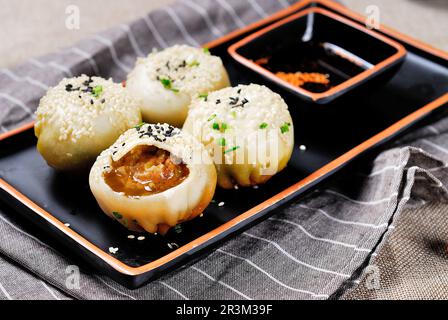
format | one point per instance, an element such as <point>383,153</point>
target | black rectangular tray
<point>334,134</point>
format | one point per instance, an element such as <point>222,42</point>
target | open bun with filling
<point>153,177</point>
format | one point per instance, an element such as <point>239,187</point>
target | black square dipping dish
<point>317,54</point>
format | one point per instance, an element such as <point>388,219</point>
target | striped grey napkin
<point>313,249</point>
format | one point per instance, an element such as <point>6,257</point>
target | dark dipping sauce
<point>144,171</point>
<point>310,57</point>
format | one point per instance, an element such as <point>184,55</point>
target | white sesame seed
<point>131,236</point>
<point>255,187</point>
<point>302,147</point>
<point>201,215</point>
<point>141,238</point>
<point>220,204</point>
<point>113,250</point>
<point>236,187</point>
<point>67,224</point>
<point>173,245</point>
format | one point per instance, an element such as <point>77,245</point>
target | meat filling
<point>145,170</point>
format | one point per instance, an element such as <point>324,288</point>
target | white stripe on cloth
<point>60,67</point>
<point>283,3</point>
<point>232,13</point>
<point>19,103</point>
<point>180,25</point>
<point>434,145</point>
<point>113,52</point>
<point>37,63</point>
<point>17,78</point>
<point>396,167</point>
<point>89,57</point>
<point>220,282</point>
<point>272,277</point>
<point>49,290</point>
<point>205,15</point>
<point>173,289</point>
<point>381,171</point>
<point>52,64</point>
<point>352,246</point>
<point>433,129</point>
<point>356,223</point>
<point>2,289</point>
<point>290,256</point>
<point>366,203</point>
<point>132,40</point>
<point>155,32</point>
<point>115,289</point>
<point>258,8</point>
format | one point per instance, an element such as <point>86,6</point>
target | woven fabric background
<point>313,249</point>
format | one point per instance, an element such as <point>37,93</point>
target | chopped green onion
<point>117,215</point>
<point>233,113</point>
<point>194,63</point>
<point>206,50</point>
<point>215,126</point>
<point>96,91</point>
<point>222,142</point>
<point>203,96</point>
<point>285,127</point>
<point>264,125</point>
<point>231,149</point>
<point>224,126</point>
<point>213,116</point>
<point>168,84</point>
<point>141,124</point>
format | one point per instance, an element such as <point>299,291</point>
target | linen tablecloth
<point>317,248</point>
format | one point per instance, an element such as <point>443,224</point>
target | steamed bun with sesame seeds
<point>165,82</point>
<point>247,130</point>
<point>154,177</point>
<point>81,117</point>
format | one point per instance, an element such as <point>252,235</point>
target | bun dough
<point>159,211</point>
<point>247,130</point>
<point>166,81</point>
<point>81,117</point>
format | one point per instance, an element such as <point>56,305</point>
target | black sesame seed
<point>103,100</point>
<point>233,100</point>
